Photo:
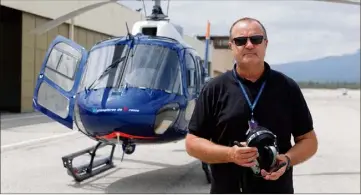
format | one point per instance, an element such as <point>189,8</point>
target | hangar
<point>22,53</point>
<point>222,59</point>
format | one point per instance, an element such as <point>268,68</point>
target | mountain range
<point>345,68</point>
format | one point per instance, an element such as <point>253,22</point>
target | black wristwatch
<point>288,163</point>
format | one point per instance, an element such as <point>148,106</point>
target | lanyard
<point>252,106</point>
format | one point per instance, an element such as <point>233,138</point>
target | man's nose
<point>249,44</point>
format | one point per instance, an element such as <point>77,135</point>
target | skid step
<point>96,164</point>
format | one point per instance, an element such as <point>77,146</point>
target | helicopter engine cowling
<point>159,28</point>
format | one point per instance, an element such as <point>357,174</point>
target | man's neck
<point>251,74</point>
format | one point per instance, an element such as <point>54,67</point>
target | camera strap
<point>251,106</point>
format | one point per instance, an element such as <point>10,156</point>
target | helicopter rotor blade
<point>54,23</point>
<point>352,2</point>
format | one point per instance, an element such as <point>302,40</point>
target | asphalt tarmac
<point>32,146</point>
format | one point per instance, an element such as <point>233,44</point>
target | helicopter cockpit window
<point>154,67</point>
<point>191,74</point>
<point>200,72</point>
<point>61,65</point>
<point>100,59</point>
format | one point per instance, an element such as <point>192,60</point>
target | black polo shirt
<point>222,113</point>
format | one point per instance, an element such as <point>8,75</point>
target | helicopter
<point>134,89</point>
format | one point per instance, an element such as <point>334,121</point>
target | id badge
<point>252,124</point>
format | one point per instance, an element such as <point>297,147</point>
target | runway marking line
<point>19,118</point>
<point>37,140</point>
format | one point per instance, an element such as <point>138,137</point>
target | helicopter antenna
<point>168,7</point>
<point>128,32</point>
<point>145,11</point>
<point>126,24</point>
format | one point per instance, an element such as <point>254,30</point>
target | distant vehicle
<point>344,92</point>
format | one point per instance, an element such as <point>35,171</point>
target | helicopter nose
<point>135,112</point>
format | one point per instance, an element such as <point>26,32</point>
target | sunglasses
<point>255,40</point>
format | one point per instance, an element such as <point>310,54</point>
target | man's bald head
<point>248,19</point>
<point>248,43</point>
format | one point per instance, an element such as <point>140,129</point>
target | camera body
<point>266,143</point>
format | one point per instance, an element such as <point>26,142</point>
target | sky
<point>297,30</point>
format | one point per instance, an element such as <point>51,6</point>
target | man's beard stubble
<point>250,71</point>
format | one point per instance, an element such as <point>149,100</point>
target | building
<point>222,59</point>
<point>22,53</point>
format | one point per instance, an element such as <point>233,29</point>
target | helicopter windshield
<point>154,67</point>
<point>103,67</point>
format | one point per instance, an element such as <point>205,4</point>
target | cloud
<point>298,30</point>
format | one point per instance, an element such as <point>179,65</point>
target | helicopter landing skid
<point>94,167</point>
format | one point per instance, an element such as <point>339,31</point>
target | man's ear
<point>229,44</point>
<point>266,43</point>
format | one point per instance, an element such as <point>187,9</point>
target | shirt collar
<point>259,80</point>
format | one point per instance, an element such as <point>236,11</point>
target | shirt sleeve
<point>202,119</point>
<point>302,118</point>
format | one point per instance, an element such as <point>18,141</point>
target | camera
<point>266,143</point>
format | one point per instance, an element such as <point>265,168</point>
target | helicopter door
<point>58,80</point>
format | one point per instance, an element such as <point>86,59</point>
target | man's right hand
<point>244,156</point>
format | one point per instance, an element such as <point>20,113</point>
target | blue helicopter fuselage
<point>154,108</point>
<point>136,87</point>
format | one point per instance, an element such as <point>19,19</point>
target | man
<point>222,113</point>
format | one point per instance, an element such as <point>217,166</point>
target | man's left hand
<point>275,175</point>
